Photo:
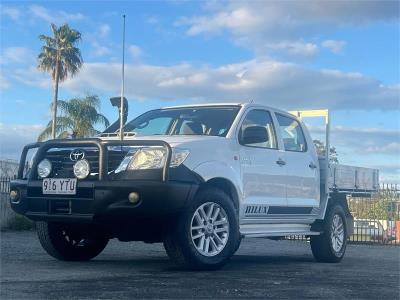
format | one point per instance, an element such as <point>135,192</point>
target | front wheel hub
<point>209,229</point>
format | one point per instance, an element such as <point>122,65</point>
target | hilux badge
<point>77,154</point>
<point>256,210</point>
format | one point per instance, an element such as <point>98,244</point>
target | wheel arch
<point>223,176</point>
<point>336,199</point>
<point>225,185</point>
<point>341,199</point>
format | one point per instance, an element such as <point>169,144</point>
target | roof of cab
<point>205,104</point>
<point>241,104</point>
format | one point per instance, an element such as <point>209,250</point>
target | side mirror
<point>254,135</point>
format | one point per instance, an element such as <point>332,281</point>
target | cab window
<point>257,130</point>
<point>214,121</point>
<point>153,126</point>
<point>292,134</point>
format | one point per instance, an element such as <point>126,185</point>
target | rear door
<point>263,174</point>
<point>302,181</point>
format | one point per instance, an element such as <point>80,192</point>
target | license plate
<point>59,186</point>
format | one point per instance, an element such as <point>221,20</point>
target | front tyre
<point>330,246</point>
<point>206,234</point>
<point>66,243</point>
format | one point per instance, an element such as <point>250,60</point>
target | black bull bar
<point>102,145</point>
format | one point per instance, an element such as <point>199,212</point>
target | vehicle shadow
<point>159,264</point>
<point>264,259</point>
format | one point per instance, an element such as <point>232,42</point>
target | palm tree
<point>78,118</point>
<point>60,58</point>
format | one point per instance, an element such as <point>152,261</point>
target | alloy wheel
<point>209,229</point>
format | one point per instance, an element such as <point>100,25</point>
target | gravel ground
<point>260,269</point>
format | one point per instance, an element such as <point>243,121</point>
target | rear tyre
<point>330,246</point>
<point>206,234</point>
<point>64,243</point>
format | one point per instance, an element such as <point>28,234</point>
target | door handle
<point>281,162</point>
<point>312,165</point>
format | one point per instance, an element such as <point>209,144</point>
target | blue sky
<point>293,55</point>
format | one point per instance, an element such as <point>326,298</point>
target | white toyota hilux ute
<point>198,178</point>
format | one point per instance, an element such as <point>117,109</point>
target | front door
<point>262,165</point>
<point>302,189</point>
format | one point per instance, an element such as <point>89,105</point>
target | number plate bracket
<point>59,186</point>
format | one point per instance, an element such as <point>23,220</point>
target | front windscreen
<point>214,121</point>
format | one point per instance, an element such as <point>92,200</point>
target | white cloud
<point>392,168</point>
<point>104,30</point>
<point>391,148</point>
<point>4,82</point>
<point>99,41</point>
<point>294,48</point>
<point>254,24</point>
<point>270,82</point>
<point>395,167</point>
<point>389,174</point>
<point>237,17</point>
<point>32,77</point>
<point>152,20</point>
<point>19,55</point>
<point>334,45</point>
<point>135,51</point>
<point>57,17</point>
<point>11,12</point>
<point>29,13</point>
<point>286,16</point>
<point>14,137</point>
<point>367,147</point>
<point>364,141</point>
<point>99,49</point>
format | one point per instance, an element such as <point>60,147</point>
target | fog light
<point>133,197</point>
<point>14,196</point>
<point>81,169</point>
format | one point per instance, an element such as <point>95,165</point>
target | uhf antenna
<point>121,112</point>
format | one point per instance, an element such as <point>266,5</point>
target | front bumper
<point>162,192</point>
<point>98,200</point>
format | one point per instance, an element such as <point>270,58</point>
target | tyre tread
<point>56,250</point>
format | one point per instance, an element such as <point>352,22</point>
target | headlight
<point>81,169</point>
<point>44,168</point>
<point>151,158</point>
<point>148,158</point>
<point>178,156</point>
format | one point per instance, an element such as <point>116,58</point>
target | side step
<point>275,230</point>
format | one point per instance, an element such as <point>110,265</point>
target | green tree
<point>382,206</point>
<point>320,147</point>
<point>61,58</point>
<point>78,118</point>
